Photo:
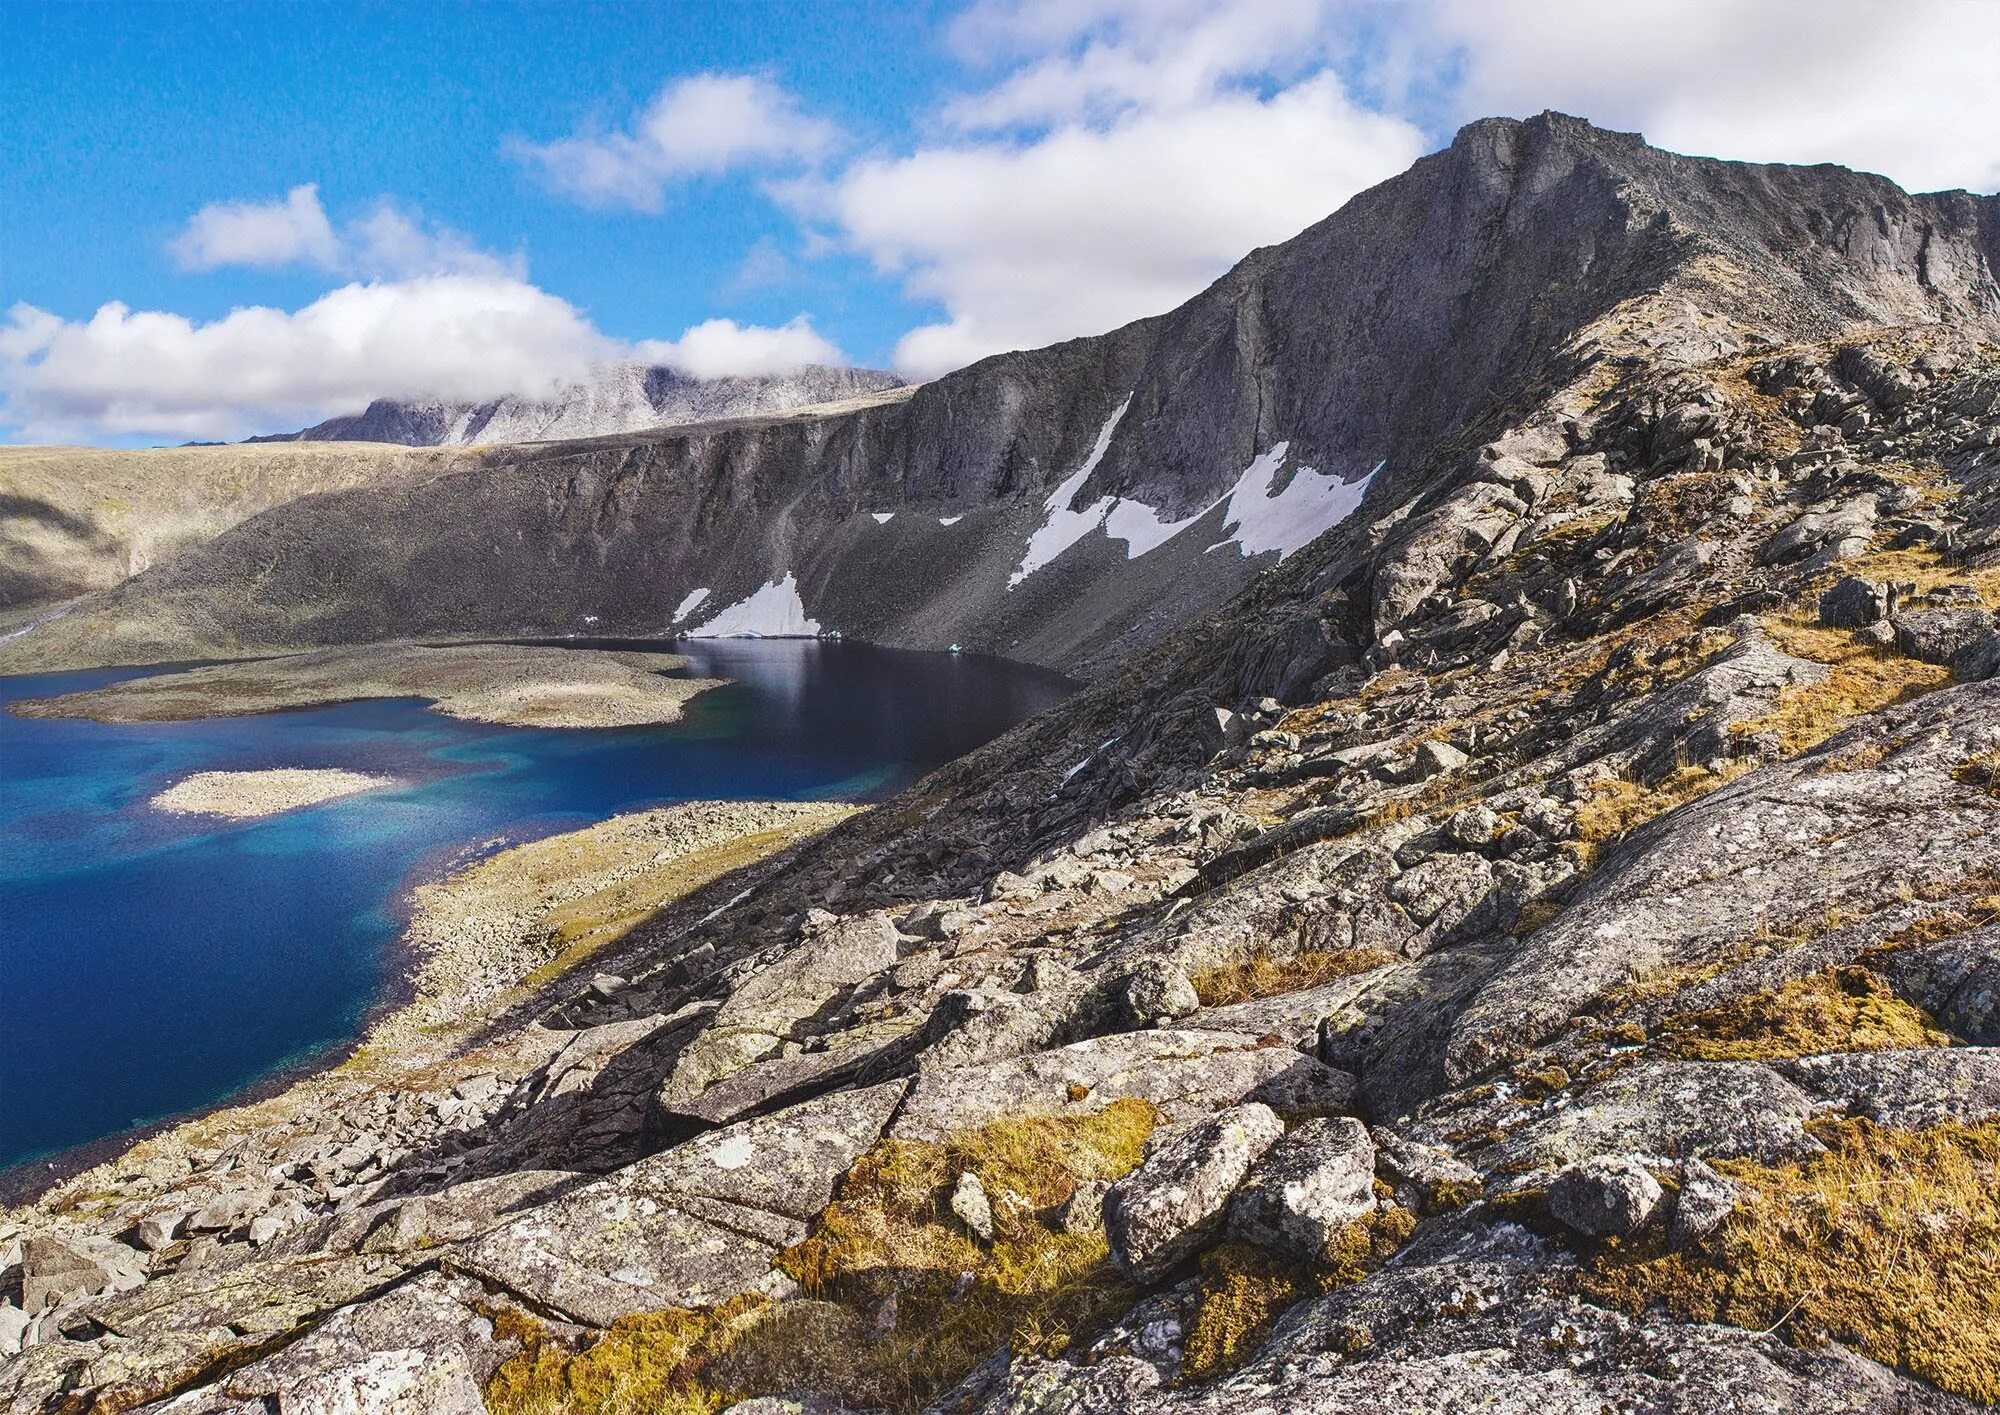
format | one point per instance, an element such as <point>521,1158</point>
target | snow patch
<point>774,612</point>
<point>690,604</point>
<point>949,520</point>
<point>1061,527</point>
<point>883,518</point>
<point>1259,520</point>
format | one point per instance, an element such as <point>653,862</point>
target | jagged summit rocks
<point>1529,838</point>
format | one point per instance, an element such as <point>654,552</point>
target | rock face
<point>1438,978</point>
<point>625,397</point>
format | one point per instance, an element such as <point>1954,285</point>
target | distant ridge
<point>622,397</point>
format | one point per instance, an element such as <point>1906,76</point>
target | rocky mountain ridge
<point>1073,504</point>
<point>1536,948</point>
<point>617,397</point>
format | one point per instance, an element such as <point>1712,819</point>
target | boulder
<point>1317,1179</point>
<point>1158,991</point>
<point>1940,635</point>
<point>1178,1199</point>
<point>157,1231</point>
<point>54,1271</point>
<point>1853,603</point>
<point>1604,1197</point>
<point>1188,1074</point>
<point>1437,759</point>
<point>14,1324</point>
<point>1978,660</point>
<point>691,1226</point>
<point>1704,1201</point>
<point>970,1206</point>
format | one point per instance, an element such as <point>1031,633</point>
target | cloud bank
<point>143,373</point>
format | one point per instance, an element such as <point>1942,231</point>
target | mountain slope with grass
<point>1535,947</point>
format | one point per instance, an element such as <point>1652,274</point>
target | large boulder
<point>1607,1196</point>
<point>1174,1202</point>
<point>1187,1074</point>
<point>1307,1187</point>
<point>1941,635</point>
<point>692,1226</point>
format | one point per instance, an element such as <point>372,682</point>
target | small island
<point>244,795</point>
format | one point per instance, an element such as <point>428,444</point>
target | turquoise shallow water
<point>151,965</point>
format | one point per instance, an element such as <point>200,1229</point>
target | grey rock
<point>1307,1187</point>
<point>14,1324</point>
<point>1940,635</point>
<point>1979,660</point>
<point>1437,759</point>
<point>1158,991</point>
<point>1178,1198</point>
<point>1853,603</point>
<point>1604,1197</point>
<point>1910,1088</point>
<point>1704,1201</point>
<point>54,1271</point>
<point>694,1225</point>
<point>158,1230</point>
<point>1188,1074</point>
<point>970,1206</point>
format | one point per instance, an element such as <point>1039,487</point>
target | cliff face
<point>1070,504</point>
<point>1534,948</point>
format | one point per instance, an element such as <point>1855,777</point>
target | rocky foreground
<point>1537,950</point>
<point>1589,1000</point>
<point>516,685</point>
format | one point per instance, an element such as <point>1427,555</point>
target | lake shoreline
<point>446,976</point>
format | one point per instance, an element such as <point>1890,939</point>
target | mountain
<point>1523,937</point>
<point>1072,504</point>
<point>619,397</point>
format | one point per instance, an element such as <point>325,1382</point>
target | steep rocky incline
<point>620,397</point>
<point>1072,504</point>
<point>1537,949</point>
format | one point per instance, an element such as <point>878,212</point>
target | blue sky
<point>218,219</point>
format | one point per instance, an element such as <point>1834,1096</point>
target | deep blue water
<point>154,964</point>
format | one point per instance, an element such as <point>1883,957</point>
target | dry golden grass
<point>1262,975</point>
<point>1863,679</point>
<point>651,1363</point>
<point>1244,1289</point>
<point>1843,1009</point>
<point>889,1237</point>
<point>1617,806</point>
<point>1889,1242</point>
<point>1035,1288</point>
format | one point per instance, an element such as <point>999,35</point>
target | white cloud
<point>270,233</point>
<point>1092,224</point>
<point>722,348</point>
<point>460,338</point>
<point>702,125</point>
<point>127,372</point>
<point>387,243</point>
<point>1906,90</point>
